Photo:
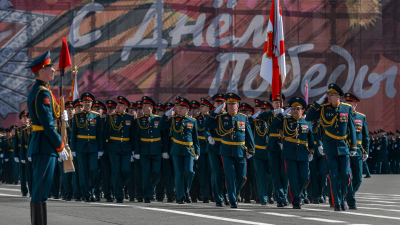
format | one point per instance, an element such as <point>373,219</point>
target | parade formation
<point>220,150</point>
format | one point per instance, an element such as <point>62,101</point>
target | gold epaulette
<point>326,104</point>
<point>343,103</point>
<point>27,127</point>
<point>44,88</point>
<point>95,112</point>
<point>360,113</point>
<point>242,114</point>
<point>156,115</point>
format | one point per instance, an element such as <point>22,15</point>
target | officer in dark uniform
<point>86,142</point>
<point>167,172</point>
<point>237,144</point>
<point>131,180</point>
<point>119,136</point>
<point>132,109</point>
<point>149,147</point>
<point>356,161</point>
<point>139,106</point>
<point>46,143</point>
<point>298,144</point>
<point>78,107</point>
<point>261,161</point>
<point>9,156</point>
<point>105,159</point>
<point>383,164</point>
<point>23,154</point>
<point>338,123</point>
<point>23,116</point>
<point>195,187</point>
<point>137,163</point>
<point>185,147</point>
<point>68,178</point>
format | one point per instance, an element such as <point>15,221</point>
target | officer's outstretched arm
<point>249,141</point>
<point>314,113</point>
<point>195,138</point>
<point>365,137</point>
<point>44,109</point>
<point>266,115</point>
<point>277,122</point>
<point>165,123</point>
<point>211,121</point>
<point>351,128</point>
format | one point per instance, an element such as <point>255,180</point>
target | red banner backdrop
<point>168,48</point>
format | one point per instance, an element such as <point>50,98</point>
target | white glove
<point>211,140</point>
<point>379,148</point>
<point>6,160</point>
<point>353,153</point>
<point>277,111</point>
<point>196,157</point>
<point>248,156</point>
<point>321,100</point>
<point>30,159</point>
<point>310,157</point>
<point>286,111</point>
<point>133,152</point>
<point>64,116</point>
<point>165,155</point>
<point>59,159</point>
<point>218,110</point>
<point>280,145</point>
<point>100,154</point>
<point>256,114</point>
<point>169,112</point>
<point>321,150</point>
<point>63,155</point>
<point>365,157</point>
<point>23,161</point>
<point>1,155</point>
<point>73,154</point>
<point>137,156</point>
<point>16,159</point>
<point>131,158</point>
<point>395,146</point>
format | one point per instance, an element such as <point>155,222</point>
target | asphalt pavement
<point>378,202</point>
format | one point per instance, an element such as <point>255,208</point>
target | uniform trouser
<point>383,164</point>
<point>22,175</point>
<point>16,173</point>
<point>120,168</point>
<point>131,181</point>
<point>356,164</point>
<point>204,171</point>
<point>317,177</point>
<point>88,169</point>
<point>297,172</point>
<point>263,178</point>
<point>67,184</point>
<point>250,189</point>
<point>195,186</point>
<point>106,175</point>
<point>338,177</point>
<point>75,179</point>
<point>55,186</point>
<point>183,171</point>
<point>138,179</point>
<point>235,173</point>
<point>97,186</point>
<point>167,180</point>
<point>29,174</point>
<point>279,177</point>
<point>217,177</point>
<point>43,173</point>
<point>366,169</point>
<point>151,173</point>
<point>396,165</point>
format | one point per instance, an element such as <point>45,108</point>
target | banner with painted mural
<point>168,48</point>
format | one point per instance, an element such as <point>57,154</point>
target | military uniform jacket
<point>69,130</point>
<point>383,143</point>
<point>259,129</point>
<point>43,111</point>
<point>2,144</point>
<point>317,135</point>
<point>235,131</point>
<point>24,143</point>
<point>148,138</point>
<point>215,148</point>
<point>298,141</point>
<point>360,122</point>
<point>184,137</point>
<point>338,124</point>
<point>397,147</point>
<point>201,132</point>
<point>274,134</point>
<point>8,147</point>
<point>86,133</point>
<point>119,132</point>
<point>17,140</point>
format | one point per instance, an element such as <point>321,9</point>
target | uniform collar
<point>336,106</point>
<point>233,114</point>
<point>42,83</point>
<point>296,118</point>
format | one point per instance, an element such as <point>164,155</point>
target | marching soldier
<point>338,123</point>
<point>23,116</point>
<point>195,187</point>
<point>356,161</point>
<point>261,161</point>
<point>68,178</point>
<point>383,164</point>
<point>86,142</point>
<point>23,155</point>
<point>78,107</point>
<point>131,180</point>
<point>185,147</point>
<point>47,144</point>
<point>237,144</point>
<point>119,137</point>
<point>213,149</point>
<point>137,163</point>
<point>149,147</point>
<point>298,144</point>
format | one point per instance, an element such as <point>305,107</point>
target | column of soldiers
<point>188,150</point>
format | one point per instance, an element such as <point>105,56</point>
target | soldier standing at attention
<point>23,116</point>
<point>46,144</point>
<point>119,134</point>
<point>185,147</point>
<point>237,144</point>
<point>67,178</point>
<point>356,161</point>
<point>149,147</point>
<point>86,142</point>
<point>24,152</point>
<point>338,123</point>
<point>78,107</point>
<point>383,164</point>
<point>137,163</point>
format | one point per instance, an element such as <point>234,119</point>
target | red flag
<point>65,59</point>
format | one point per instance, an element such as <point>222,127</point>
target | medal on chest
<point>127,122</point>
<point>241,125</point>
<point>92,122</point>
<point>344,117</point>
<point>358,124</point>
<point>304,128</point>
<point>156,124</point>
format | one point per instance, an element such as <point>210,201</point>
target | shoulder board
<point>242,114</point>
<point>156,115</point>
<point>360,113</point>
<point>43,88</point>
<point>326,104</point>
<point>343,103</point>
<point>95,112</point>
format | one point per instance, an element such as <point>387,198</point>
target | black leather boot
<point>39,213</point>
